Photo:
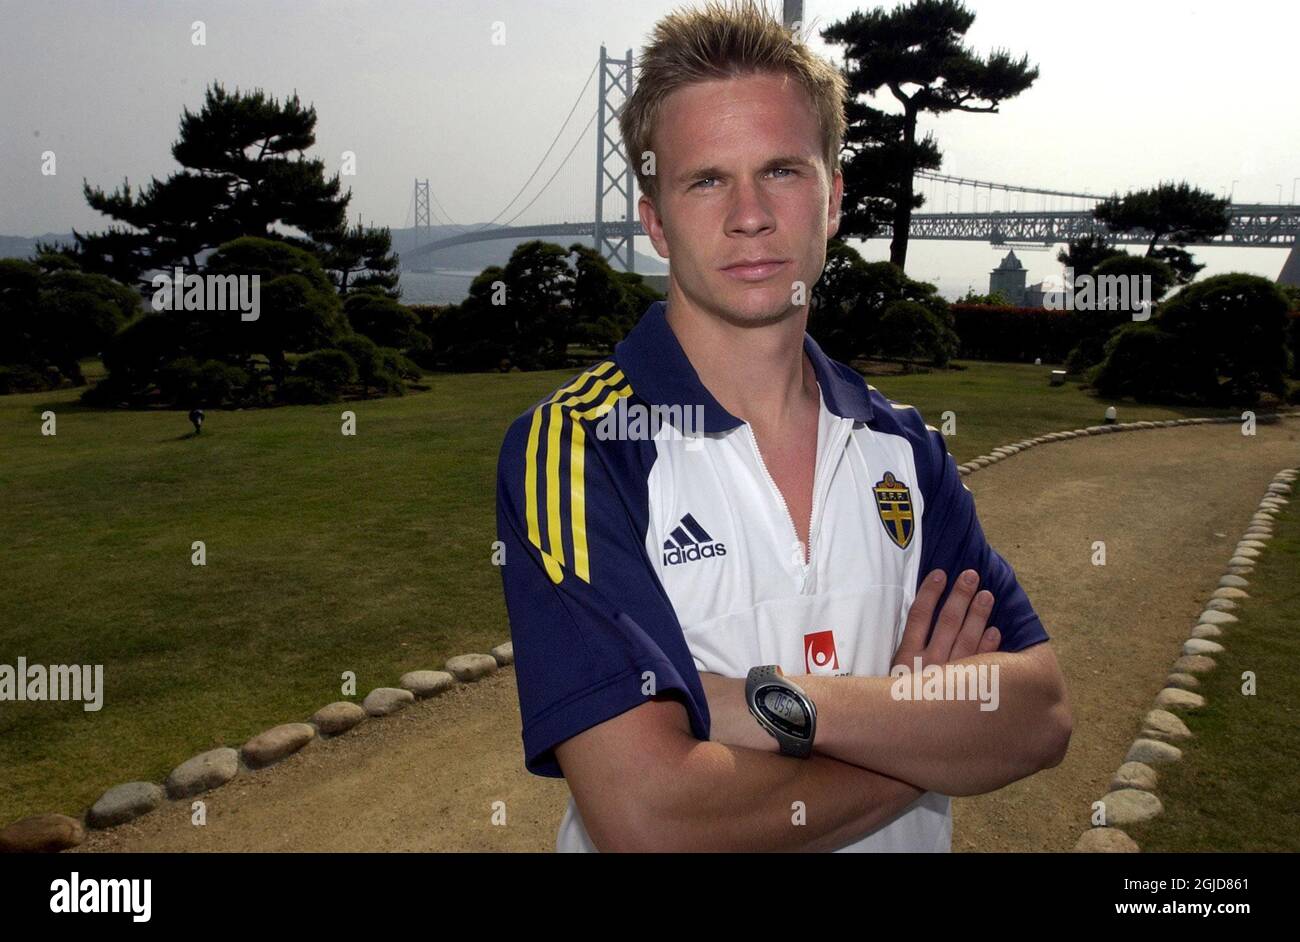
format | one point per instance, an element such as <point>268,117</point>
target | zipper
<point>805,561</point>
<point>833,442</point>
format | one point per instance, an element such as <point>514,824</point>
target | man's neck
<point>758,374</point>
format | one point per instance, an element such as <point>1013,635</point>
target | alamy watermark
<point>79,894</point>
<point>57,682</point>
<point>638,422</point>
<point>946,682</point>
<point>182,292</point>
<point>1131,293</point>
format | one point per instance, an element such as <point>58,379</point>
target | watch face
<point>785,710</point>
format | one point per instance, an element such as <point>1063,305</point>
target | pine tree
<point>916,45</point>
<point>244,174</point>
<point>1173,213</point>
<point>360,258</point>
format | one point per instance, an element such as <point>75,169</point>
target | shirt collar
<point>661,374</point>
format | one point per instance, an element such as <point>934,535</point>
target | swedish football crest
<point>894,502</point>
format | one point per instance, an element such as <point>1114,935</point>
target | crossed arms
<point>643,782</point>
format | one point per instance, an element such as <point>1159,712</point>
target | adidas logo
<point>688,542</point>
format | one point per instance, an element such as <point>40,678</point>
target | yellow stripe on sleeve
<point>578,500</point>
<point>530,457</point>
<point>560,404</point>
<point>577,484</point>
<point>556,558</point>
<point>530,479</point>
<point>556,550</point>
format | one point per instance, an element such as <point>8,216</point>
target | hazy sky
<point>1130,93</point>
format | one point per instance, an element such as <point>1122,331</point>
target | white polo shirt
<point>637,555</point>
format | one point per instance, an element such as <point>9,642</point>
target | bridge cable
<point>577,101</point>
<point>562,165</point>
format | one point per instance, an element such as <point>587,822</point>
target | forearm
<point>951,746</point>
<point>716,797</point>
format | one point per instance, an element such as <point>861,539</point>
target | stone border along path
<point>212,769</point>
<point>1006,451</point>
<point>1132,796</point>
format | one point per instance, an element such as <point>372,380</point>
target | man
<point>804,526</point>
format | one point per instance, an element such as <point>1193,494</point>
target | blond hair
<point>722,41</point>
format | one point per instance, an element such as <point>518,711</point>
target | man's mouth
<point>755,269</point>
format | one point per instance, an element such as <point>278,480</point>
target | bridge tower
<point>615,239</point>
<point>1290,274</point>
<point>422,205</point>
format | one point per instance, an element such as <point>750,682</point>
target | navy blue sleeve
<point>952,540</point>
<point>594,633</point>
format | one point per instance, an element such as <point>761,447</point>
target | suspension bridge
<point>999,213</point>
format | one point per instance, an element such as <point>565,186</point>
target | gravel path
<point>1169,504</point>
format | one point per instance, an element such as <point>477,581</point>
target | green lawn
<point>324,554</point>
<point>1236,788</point>
<point>997,403</point>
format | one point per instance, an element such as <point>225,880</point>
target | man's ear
<point>653,224</point>
<point>833,208</point>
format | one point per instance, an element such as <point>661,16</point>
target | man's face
<point>741,178</point>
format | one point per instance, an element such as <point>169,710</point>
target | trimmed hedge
<point>19,378</point>
<point>1154,365</point>
<point>1241,322</point>
<point>1018,334</point>
<point>910,330</point>
<point>187,382</point>
<point>332,369</point>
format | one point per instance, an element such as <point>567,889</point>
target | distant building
<point>1008,280</point>
<point>1034,295</point>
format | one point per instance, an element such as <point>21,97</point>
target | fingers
<point>920,617</point>
<point>989,643</point>
<point>972,630</point>
<point>960,629</point>
<point>952,617</point>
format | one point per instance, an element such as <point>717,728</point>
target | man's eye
<point>788,170</point>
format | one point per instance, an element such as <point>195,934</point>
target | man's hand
<point>960,631</point>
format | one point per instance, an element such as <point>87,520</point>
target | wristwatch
<point>782,709</point>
